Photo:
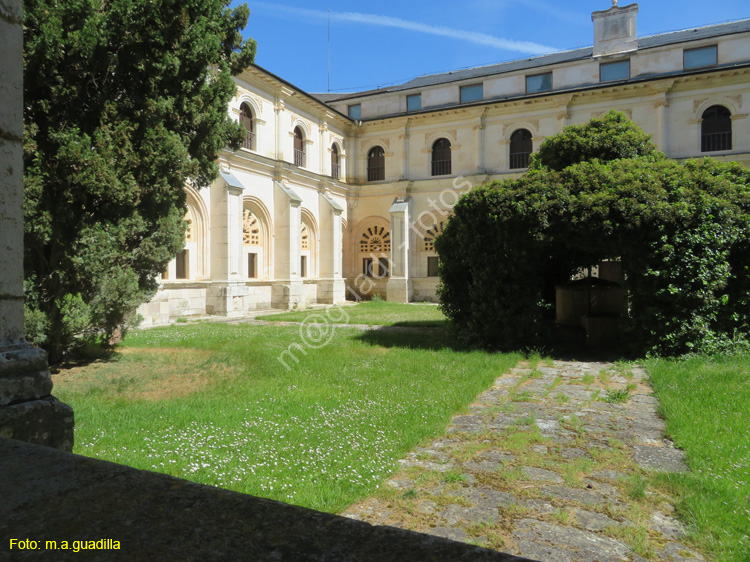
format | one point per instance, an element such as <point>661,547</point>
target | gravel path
<point>557,463</point>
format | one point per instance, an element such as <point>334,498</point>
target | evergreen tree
<point>125,103</point>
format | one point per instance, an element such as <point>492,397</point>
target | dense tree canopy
<point>125,103</point>
<point>681,232</point>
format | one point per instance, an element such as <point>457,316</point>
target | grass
<point>706,403</point>
<point>373,313</point>
<point>211,403</point>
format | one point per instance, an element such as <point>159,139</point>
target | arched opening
<point>335,162</point>
<point>299,147</point>
<point>521,147</point>
<point>375,251</point>
<point>246,120</point>
<point>716,129</point>
<point>376,164</point>
<point>441,157</point>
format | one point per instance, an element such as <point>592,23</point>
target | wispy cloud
<point>526,47</point>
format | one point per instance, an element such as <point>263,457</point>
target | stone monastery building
<point>333,196</point>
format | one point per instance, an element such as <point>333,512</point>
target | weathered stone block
<point>46,422</point>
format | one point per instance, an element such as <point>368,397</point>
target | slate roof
<point>647,42</point>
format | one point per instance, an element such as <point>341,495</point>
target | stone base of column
<point>399,290</point>
<point>289,295</point>
<point>27,410</point>
<point>226,299</point>
<point>331,291</point>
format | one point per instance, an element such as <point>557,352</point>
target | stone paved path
<point>556,462</point>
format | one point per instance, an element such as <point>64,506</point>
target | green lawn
<point>373,313</point>
<point>706,403</point>
<point>213,404</point>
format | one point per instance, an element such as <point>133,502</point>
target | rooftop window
<point>414,103</point>
<point>475,92</point>
<point>355,111</point>
<point>539,83</point>
<point>698,58</point>
<point>610,71</point>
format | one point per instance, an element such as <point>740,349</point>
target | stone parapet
<point>49,495</point>
<point>46,422</point>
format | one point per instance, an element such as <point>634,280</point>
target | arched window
<point>441,157</point>
<point>299,147</point>
<point>521,148</point>
<point>716,129</point>
<point>246,119</point>
<point>335,166</point>
<point>251,240</point>
<point>430,235</point>
<point>375,250</point>
<point>376,164</point>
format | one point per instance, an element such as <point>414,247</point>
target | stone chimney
<point>614,30</point>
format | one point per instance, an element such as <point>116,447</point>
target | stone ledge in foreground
<point>46,494</point>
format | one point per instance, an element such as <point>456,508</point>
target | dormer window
<point>539,83</point>
<point>701,57</point>
<point>355,111</point>
<point>611,71</point>
<point>414,103</point>
<point>475,92</point>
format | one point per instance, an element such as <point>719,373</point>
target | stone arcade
<point>340,196</point>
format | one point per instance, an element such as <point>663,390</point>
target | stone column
<point>399,287</point>
<point>331,286</point>
<point>28,411</point>
<point>227,292</point>
<point>288,288</point>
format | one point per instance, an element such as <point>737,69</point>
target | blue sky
<point>375,44</point>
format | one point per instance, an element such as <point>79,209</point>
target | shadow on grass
<point>84,357</point>
<point>437,338</point>
<point>422,324</point>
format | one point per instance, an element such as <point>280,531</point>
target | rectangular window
<point>539,83</point>
<point>303,267</point>
<point>384,267</point>
<point>698,58</point>
<point>183,265</point>
<point>252,266</point>
<point>414,103</point>
<point>471,93</point>
<point>355,111</point>
<point>367,267</point>
<point>610,71</point>
<point>432,266</point>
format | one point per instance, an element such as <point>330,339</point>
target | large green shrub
<point>124,103</point>
<point>680,231</point>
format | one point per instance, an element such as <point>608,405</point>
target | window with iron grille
<point>299,147</point>
<point>376,164</point>
<point>716,129</point>
<point>441,157</point>
<point>335,170</point>
<point>521,147</point>
<point>246,119</point>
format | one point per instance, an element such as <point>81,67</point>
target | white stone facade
<point>286,227</point>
